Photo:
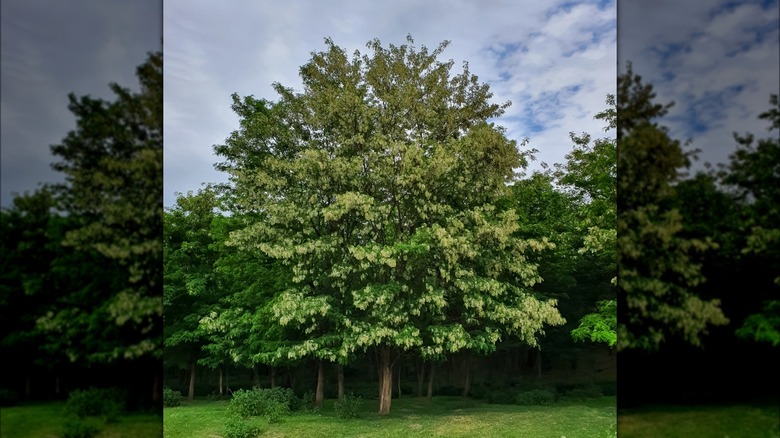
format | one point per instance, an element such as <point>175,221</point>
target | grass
<point>443,417</point>
<point>45,420</point>
<point>719,421</point>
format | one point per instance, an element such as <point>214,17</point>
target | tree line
<point>379,219</point>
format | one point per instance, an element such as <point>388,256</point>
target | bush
<point>272,403</point>
<point>584,392</point>
<point>608,388</point>
<point>501,397</point>
<point>104,402</point>
<point>171,398</point>
<point>307,402</point>
<point>348,407</point>
<point>8,397</point>
<point>535,397</point>
<point>238,427</point>
<point>81,428</point>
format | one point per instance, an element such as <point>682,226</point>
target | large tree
<point>658,267</point>
<point>112,162</point>
<point>376,185</point>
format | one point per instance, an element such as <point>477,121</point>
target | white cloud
<point>215,49</point>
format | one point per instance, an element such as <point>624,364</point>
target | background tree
<point>112,163</point>
<point>376,186</point>
<point>657,267</point>
<point>754,171</point>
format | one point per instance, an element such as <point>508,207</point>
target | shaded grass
<point>443,417</point>
<point>46,420</point>
<point>732,421</point>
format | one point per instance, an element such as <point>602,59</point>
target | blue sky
<point>719,61</point>
<point>555,61</point>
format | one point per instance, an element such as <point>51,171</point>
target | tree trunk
<point>467,382</point>
<point>220,381</point>
<point>273,377</point>
<point>191,393</point>
<point>430,381</point>
<point>385,382</point>
<point>400,369</point>
<point>539,363</point>
<point>340,369</point>
<point>420,376</point>
<point>320,385</point>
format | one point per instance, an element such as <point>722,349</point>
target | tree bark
<point>386,382</point>
<point>320,395</point>
<point>400,370</point>
<point>340,369</point>
<point>191,393</point>
<point>430,381</point>
<point>467,382</point>
<point>220,381</point>
<point>420,376</point>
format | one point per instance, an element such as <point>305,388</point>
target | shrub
<point>105,402</point>
<point>307,402</point>
<point>81,428</point>
<point>348,407</point>
<point>238,427</point>
<point>608,388</point>
<point>171,398</point>
<point>285,396</point>
<point>501,397</point>
<point>272,403</point>
<point>535,397</point>
<point>584,392</point>
<point>8,397</point>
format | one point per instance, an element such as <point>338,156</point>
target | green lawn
<point>732,421</point>
<point>413,417</point>
<point>45,420</point>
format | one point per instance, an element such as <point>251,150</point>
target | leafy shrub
<point>584,392</point>
<point>348,407</point>
<point>307,402</point>
<point>272,403</point>
<point>238,427</point>
<point>8,397</point>
<point>81,428</point>
<point>171,398</point>
<point>535,397</point>
<point>501,397</point>
<point>608,388</point>
<point>285,396</point>
<point>104,402</point>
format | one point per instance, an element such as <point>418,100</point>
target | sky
<point>718,61</point>
<point>52,48</point>
<point>554,60</point>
